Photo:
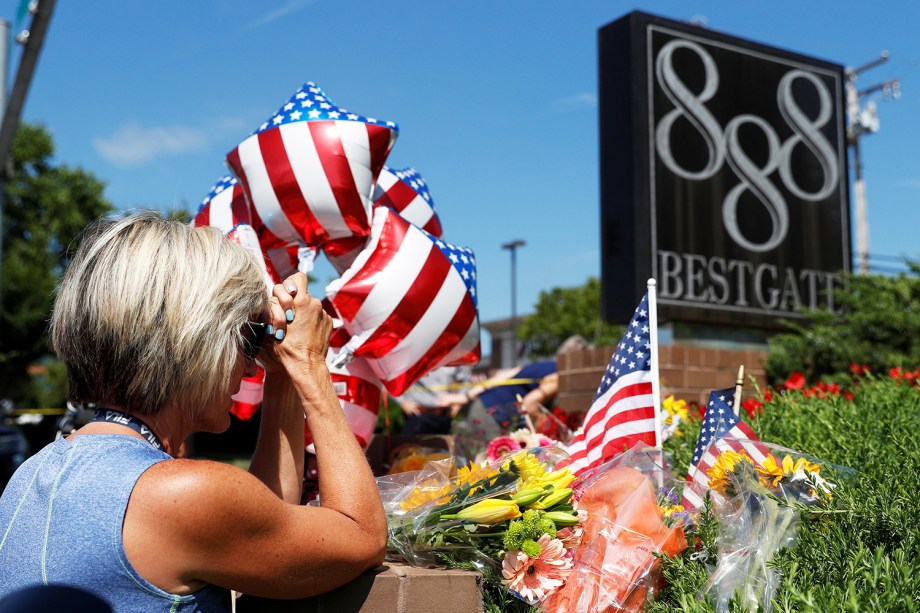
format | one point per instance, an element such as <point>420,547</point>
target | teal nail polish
<point>289,315</point>
<point>269,329</point>
<point>291,288</point>
<point>279,334</point>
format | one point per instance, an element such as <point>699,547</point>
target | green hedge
<point>877,325</point>
<point>864,558</point>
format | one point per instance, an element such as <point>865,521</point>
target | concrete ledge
<point>392,588</point>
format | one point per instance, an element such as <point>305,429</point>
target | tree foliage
<point>46,206</point>
<point>877,325</point>
<point>563,312</point>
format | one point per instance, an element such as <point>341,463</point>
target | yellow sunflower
<point>770,472</point>
<point>773,473</point>
<point>425,492</point>
<point>726,465</point>
<point>467,475</point>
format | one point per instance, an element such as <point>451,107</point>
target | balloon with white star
<point>409,302</point>
<point>309,171</point>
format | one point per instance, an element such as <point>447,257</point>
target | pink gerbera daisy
<point>501,445</point>
<point>535,578</point>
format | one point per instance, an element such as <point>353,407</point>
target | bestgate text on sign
<point>738,284</point>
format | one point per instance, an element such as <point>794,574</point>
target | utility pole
<point>864,120</point>
<point>513,246</point>
<point>11,108</point>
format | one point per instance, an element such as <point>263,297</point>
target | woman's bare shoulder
<point>181,483</point>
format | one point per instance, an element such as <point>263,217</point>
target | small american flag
<point>406,192</point>
<point>623,412</point>
<point>309,171</point>
<point>409,303</point>
<point>721,430</point>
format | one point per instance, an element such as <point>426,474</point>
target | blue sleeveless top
<point>60,523</point>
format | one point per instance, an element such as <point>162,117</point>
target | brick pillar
<point>688,372</point>
<point>393,588</point>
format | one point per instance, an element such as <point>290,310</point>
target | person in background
<point>157,323</point>
<point>494,405</point>
<point>433,401</point>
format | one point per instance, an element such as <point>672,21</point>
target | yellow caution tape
<point>39,412</point>
<point>471,384</point>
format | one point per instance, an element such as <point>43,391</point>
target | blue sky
<point>497,105</point>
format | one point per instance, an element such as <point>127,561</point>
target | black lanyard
<point>117,417</point>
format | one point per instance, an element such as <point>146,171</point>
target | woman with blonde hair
<point>157,323</point>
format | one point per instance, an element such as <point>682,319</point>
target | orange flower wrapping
<point>615,563</point>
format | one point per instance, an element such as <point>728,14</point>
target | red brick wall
<point>688,372</point>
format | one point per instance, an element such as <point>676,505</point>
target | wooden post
<point>739,383</point>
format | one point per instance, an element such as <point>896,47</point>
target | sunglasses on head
<point>253,338</point>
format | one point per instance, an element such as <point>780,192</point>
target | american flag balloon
<point>309,171</point>
<point>406,192</point>
<point>409,302</point>
<point>360,394</point>
<point>357,387</point>
<point>226,206</point>
<point>249,399</point>
<point>245,235</point>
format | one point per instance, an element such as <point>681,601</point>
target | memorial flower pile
<point>511,519</point>
<point>530,527</point>
<point>522,438</point>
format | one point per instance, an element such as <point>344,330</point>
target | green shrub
<point>878,325</point>
<point>866,556</point>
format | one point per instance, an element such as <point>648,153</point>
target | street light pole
<point>512,247</point>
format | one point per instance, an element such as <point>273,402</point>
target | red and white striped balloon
<point>406,192</point>
<point>309,171</point>
<point>409,303</point>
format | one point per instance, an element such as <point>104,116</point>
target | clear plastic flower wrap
<point>630,516</point>
<point>435,517</point>
<point>759,493</point>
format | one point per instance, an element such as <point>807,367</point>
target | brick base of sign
<point>392,588</point>
<point>688,372</point>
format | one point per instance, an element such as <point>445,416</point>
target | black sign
<point>723,174</point>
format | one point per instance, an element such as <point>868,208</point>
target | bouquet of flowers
<point>510,519</point>
<point>519,521</point>
<point>759,505</point>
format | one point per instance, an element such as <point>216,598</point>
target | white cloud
<point>913,183</point>
<point>133,144</point>
<point>291,6</point>
<point>581,100</point>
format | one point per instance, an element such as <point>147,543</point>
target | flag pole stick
<point>653,340</point>
<point>739,383</point>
